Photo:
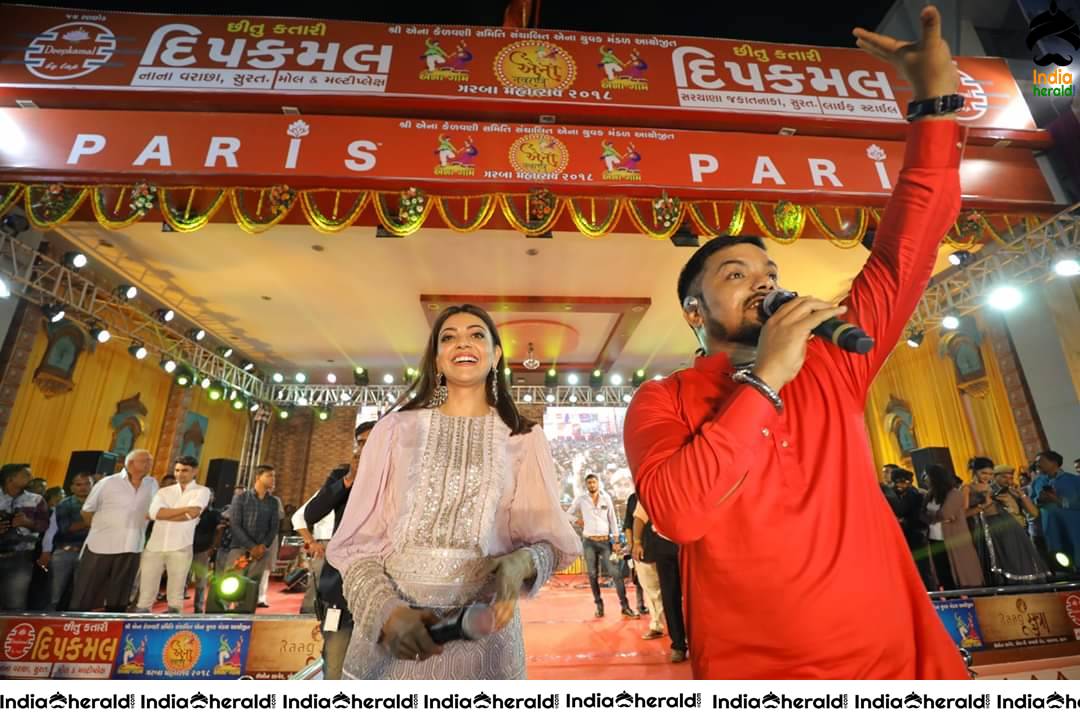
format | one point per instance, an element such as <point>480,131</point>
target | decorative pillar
<point>253,446</point>
<point>1028,424</point>
<point>172,430</point>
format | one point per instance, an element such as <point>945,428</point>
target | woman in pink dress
<point>455,501</point>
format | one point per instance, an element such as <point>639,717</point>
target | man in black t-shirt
<point>204,547</point>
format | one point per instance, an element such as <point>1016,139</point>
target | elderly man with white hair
<point>116,511</point>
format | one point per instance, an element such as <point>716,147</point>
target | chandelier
<point>530,362</point>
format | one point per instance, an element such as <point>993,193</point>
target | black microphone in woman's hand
<point>842,334</point>
<point>472,623</point>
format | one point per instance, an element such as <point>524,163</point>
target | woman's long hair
<point>941,483</point>
<point>424,385</point>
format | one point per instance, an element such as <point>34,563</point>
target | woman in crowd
<point>955,561</point>
<point>1008,556</point>
<point>456,502</point>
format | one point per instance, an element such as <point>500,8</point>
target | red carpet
<point>562,638</point>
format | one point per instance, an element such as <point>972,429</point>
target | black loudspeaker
<point>95,462</point>
<point>922,457</point>
<point>221,477</point>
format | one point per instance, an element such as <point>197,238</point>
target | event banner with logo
<point>219,148</point>
<point>42,647</point>
<point>647,80</point>
<point>183,649</point>
<point>1009,622</point>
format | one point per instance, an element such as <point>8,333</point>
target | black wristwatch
<point>934,106</point>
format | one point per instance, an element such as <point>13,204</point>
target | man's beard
<point>747,333</point>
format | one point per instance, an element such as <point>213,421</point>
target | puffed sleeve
<point>359,547</point>
<point>537,520</point>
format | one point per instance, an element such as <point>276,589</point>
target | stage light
<point>551,378</point>
<point>99,333</point>
<point>1004,297</point>
<point>5,291</point>
<point>1063,560</point>
<point>600,398</point>
<point>324,413</point>
<point>950,322</point>
<point>616,379</point>
<point>550,398</point>
<point>388,379</point>
<point>53,311</point>
<point>184,377</point>
<point>411,372</point>
<point>214,390</point>
<point>331,378</point>
<point>391,397</point>
<point>360,376</point>
<point>249,366</point>
<point>164,315</point>
<point>639,377</point>
<point>572,379</point>
<point>914,339</point>
<point>300,378</point>
<point>233,593</point>
<point>168,365</point>
<point>597,378</point>
<point>196,334</point>
<point>126,292</point>
<point>238,403</point>
<point>205,383</point>
<point>526,398</point>
<point>302,401</point>
<point>283,414</point>
<point>138,351</point>
<point>657,376</point>
<point>74,260</point>
<point>1067,266</point>
<point>278,377</point>
<point>253,407</point>
<point>15,224</point>
<point>572,398</point>
<point>627,398</point>
<point>960,258</point>
<point>226,352</point>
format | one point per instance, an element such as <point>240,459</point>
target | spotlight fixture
<point>278,377</point>
<point>253,406</point>
<point>283,413</point>
<point>323,413</point>
<point>616,379</point>
<point>300,377</point>
<point>627,398</point>
<point>360,376</point>
<point>302,401</point>
<point>388,379</point>
<point>238,403</point>
<point>950,322</point>
<point>1063,560</point>
<point>914,339</point>
<point>550,399</point>
<point>1067,266</point>
<point>411,373</point>
<point>572,379</point>
<point>685,237</point>
<point>960,258</point>
<point>196,334</point>
<point>600,398</point>
<point>5,291</point>
<point>331,378</point>
<point>74,260</point>
<point>53,311</point>
<point>184,377</point>
<point>99,333</point>
<point>168,365</point>
<point>126,292</point>
<point>164,315</point>
<point>138,351</point>
<point>248,366</point>
<point>205,383</point>
<point>226,352</point>
<point>214,390</point>
<point>657,376</point>
<point>597,378</point>
<point>1004,297</point>
<point>639,377</point>
<point>572,399</point>
<point>15,223</point>
<point>526,398</point>
<point>551,378</point>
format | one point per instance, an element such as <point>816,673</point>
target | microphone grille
<point>774,300</point>
<point>478,621</point>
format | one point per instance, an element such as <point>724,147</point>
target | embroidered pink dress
<point>435,498</point>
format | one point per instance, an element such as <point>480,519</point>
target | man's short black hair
<point>901,475</point>
<point>187,461</point>
<point>592,475</point>
<point>363,428</point>
<point>1053,457</point>
<point>53,492</point>
<point>691,272</point>
<point>11,470</point>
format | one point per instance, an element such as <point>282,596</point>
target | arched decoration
<point>900,423</point>
<point>594,217</point>
<point>54,374</point>
<point>483,205</point>
<point>708,218</point>
<point>340,218</point>
<point>962,347</point>
<point>127,424</point>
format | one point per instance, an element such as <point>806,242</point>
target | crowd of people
<point>1003,527</point>
<point>105,542</point>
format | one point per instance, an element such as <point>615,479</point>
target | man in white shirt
<point>315,540</point>
<point>600,531</point>
<point>175,511</point>
<point>116,511</point>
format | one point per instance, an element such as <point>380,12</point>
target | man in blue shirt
<point>1058,495</point>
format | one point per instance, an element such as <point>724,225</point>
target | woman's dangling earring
<point>441,394</point>
<point>494,386</point>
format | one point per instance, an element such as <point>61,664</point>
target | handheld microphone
<point>842,334</point>
<point>472,623</point>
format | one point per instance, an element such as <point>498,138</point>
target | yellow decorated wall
<point>979,422</point>
<point>44,432</point>
<point>225,429</point>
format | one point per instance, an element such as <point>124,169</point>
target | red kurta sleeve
<point>681,475</point>
<point>919,213</point>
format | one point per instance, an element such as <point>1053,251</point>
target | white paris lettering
<point>85,144</point>
<point>822,169</point>
<point>702,164</point>
<point>222,147</point>
<point>156,149</point>
<point>360,160</point>
<point>764,169</point>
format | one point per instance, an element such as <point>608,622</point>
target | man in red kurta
<point>793,564</point>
